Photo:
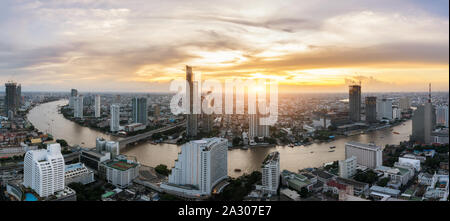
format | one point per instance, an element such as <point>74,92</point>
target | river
<point>46,118</point>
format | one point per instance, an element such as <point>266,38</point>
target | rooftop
<point>363,145</point>
<point>122,165</point>
<point>385,190</point>
<point>74,166</point>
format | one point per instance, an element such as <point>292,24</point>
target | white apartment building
<point>347,167</point>
<point>115,118</point>
<point>44,170</point>
<point>200,166</point>
<point>97,106</point>
<point>271,173</point>
<point>368,155</point>
<point>78,107</point>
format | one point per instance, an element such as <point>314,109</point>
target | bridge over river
<point>124,142</point>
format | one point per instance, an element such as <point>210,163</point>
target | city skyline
<point>136,47</point>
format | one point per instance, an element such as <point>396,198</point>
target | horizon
<point>140,46</point>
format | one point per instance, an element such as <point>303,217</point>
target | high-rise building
<point>396,113</point>
<point>271,173</point>
<point>368,155</point>
<point>73,94</point>
<point>19,96</point>
<point>102,145</point>
<point>404,104</point>
<point>78,107</point>
<point>200,166</point>
<point>192,119</point>
<point>115,118</point>
<point>140,114</point>
<point>442,115</point>
<point>11,103</point>
<point>157,112</point>
<point>44,170</point>
<point>97,106</point>
<point>255,128</point>
<point>347,167</point>
<point>384,109</point>
<point>423,122</point>
<point>355,103</point>
<point>371,109</point>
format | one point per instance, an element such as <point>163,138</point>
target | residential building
<point>140,113</point>
<point>97,106</point>
<point>115,118</point>
<point>271,173</point>
<point>347,167</point>
<point>442,115</point>
<point>384,109</point>
<point>368,155</point>
<point>78,107</point>
<point>44,170</point>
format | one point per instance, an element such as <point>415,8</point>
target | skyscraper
<point>191,123</point>
<point>271,173</point>
<point>442,115</point>
<point>384,109</point>
<point>201,165</point>
<point>11,97</point>
<point>115,118</point>
<point>19,96</point>
<point>255,128</point>
<point>73,94</point>
<point>140,114</point>
<point>97,106</point>
<point>355,103</point>
<point>423,122</point>
<point>44,170</point>
<point>78,107</point>
<point>404,104</point>
<point>371,109</point>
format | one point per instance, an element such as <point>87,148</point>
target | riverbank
<point>45,117</point>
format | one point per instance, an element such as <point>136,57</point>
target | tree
<point>162,169</point>
<point>236,141</point>
<point>304,192</point>
<point>383,182</point>
<point>62,142</point>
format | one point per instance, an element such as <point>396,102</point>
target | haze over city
<point>140,46</point>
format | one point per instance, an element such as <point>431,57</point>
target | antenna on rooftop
<point>429,93</point>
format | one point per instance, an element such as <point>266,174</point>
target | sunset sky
<point>308,46</point>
